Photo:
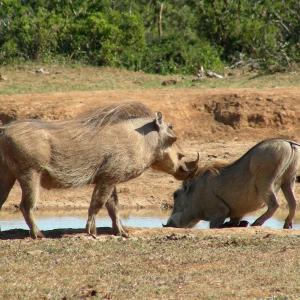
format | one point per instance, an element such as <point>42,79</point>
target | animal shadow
<point>18,234</point>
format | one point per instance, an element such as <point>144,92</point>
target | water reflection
<point>142,218</point>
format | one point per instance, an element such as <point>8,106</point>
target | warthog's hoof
<point>230,224</point>
<point>227,225</point>
<point>121,232</point>
<point>288,225</point>
<point>124,234</point>
<point>91,228</point>
<point>243,223</point>
<point>36,235</point>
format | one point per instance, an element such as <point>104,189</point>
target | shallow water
<point>141,218</point>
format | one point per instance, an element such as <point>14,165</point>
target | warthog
<point>104,147</point>
<point>218,192</point>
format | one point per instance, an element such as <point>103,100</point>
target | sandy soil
<point>219,124</point>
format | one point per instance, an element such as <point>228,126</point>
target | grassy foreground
<point>157,264</point>
<point>43,78</point>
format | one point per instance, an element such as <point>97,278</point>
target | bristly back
<point>115,113</point>
<point>214,168</point>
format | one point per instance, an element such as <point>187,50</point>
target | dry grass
<point>157,264</point>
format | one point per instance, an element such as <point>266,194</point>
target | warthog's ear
<point>158,118</point>
<point>167,135</point>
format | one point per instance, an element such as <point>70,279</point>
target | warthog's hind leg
<point>288,191</point>
<point>101,194</point>
<point>30,185</point>
<point>272,204</point>
<point>113,211</point>
<point>7,180</point>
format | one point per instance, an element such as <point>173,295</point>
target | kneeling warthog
<point>221,191</point>
<point>105,147</point>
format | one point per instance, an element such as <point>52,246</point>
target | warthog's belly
<point>245,205</point>
<point>48,182</point>
<point>240,194</point>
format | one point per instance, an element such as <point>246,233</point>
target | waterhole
<point>141,218</point>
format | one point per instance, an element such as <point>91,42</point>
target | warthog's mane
<point>113,114</point>
<point>213,168</point>
<point>210,168</point>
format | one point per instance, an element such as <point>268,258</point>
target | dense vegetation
<point>155,36</point>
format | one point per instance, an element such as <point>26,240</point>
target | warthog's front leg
<point>101,194</point>
<point>235,222</point>
<point>7,180</point>
<point>30,185</point>
<point>112,206</point>
<point>221,212</point>
<point>217,222</point>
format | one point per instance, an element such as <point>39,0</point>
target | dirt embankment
<point>196,114</point>
<point>217,123</point>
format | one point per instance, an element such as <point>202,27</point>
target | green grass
<point>22,78</point>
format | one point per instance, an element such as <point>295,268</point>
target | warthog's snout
<point>170,223</point>
<point>174,220</point>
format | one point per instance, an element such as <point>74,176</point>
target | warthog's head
<point>171,160</point>
<point>193,196</point>
<point>184,212</point>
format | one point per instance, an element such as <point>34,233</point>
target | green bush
<point>173,55</point>
<point>154,36</point>
<point>115,39</point>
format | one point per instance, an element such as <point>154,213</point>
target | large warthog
<point>105,147</point>
<point>221,191</point>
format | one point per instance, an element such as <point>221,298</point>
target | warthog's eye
<point>180,156</point>
<point>170,126</point>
